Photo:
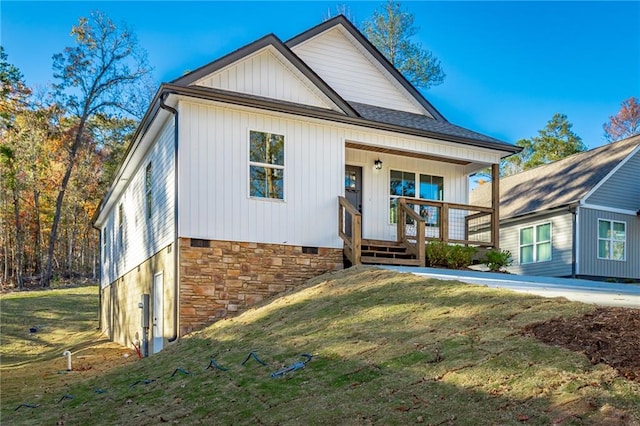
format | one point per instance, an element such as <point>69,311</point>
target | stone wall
<point>219,279</point>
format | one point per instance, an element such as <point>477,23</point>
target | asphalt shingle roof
<point>556,184</point>
<point>420,122</point>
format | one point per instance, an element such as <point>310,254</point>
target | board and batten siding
<point>589,264</point>
<point>265,74</point>
<point>214,179</point>
<point>142,237</point>
<point>214,176</point>
<point>622,189</point>
<point>561,245</point>
<point>351,73</point>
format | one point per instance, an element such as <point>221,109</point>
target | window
<point>147,190</point>
<point>612,239</point>
<point>403,184</point>
<point>120,225</point>
<point>535,243</point>
<point>266,165</point>
<point>104,244</point>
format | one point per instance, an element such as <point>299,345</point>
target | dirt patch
<point>607,335</point>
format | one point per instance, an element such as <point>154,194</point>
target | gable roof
<point>276,43</point>
<point>420,122</point>
<point>341,20</point>
<point>558,184</point>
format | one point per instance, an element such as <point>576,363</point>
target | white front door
<point>158,312</point>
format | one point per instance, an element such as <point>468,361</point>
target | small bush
<point>449,256</point>
<point>437,253</point>
<point>460,257</point>
<point>497,260</point>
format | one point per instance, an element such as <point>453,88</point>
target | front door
<point>352,191</point>
<point>158,312</point>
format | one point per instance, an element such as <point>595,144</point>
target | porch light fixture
<point>377,164</point>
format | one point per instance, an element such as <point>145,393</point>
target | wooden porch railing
<point>452,222</point>
<point>415,245</point>
<point>419,221</point>
<point>352,242</point>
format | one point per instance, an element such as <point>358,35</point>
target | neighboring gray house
<point>579,216</point>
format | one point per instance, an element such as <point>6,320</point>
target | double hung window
<point>535,243</point>
<point>266,165</point>
<point>415,185</point>
<point>612,239</point>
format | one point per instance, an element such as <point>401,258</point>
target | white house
<point>267,166</point>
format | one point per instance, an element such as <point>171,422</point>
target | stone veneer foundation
<point>219,279</point>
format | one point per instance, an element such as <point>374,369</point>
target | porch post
<point>495,205</point>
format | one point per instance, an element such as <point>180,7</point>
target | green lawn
<point>387,348</point>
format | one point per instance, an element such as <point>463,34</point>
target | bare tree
<point>101,74</point>
<point>625,123</point>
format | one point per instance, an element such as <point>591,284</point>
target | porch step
<point>370,260</point>
<point>379,252</point>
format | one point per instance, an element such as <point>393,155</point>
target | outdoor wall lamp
<point>377,164</point>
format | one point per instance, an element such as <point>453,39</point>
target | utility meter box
<point>144,305</point>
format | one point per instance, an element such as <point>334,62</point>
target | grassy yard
<point>387,348</point>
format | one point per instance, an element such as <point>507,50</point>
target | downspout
<point>176,286</point>
<point>574,243</point>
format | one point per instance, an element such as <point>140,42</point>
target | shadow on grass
<point>388,349</point>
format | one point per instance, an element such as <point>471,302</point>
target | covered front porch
<point>396,201</point>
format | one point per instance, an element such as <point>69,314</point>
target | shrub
<point>460,256</point>
<point>449,256</point>
<point>497,260</point>
<point>437,253</point>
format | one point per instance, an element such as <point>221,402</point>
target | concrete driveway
<point>595,292</point>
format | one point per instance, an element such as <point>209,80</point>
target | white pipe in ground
<point>68,355</point>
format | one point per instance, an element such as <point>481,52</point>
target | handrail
<point>353,243</point>
<point>445,207</point>
<point>418,249</point>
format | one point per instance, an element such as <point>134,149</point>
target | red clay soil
<point>607,335</point>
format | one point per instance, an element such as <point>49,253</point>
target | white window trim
<point>611,240</point>
<point>148,192</point>
<point>121,226</point>
<point>535,243</point>
<point>273,166</point>
<point>416,177</point>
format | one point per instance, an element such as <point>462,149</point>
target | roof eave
<point>206,93</point>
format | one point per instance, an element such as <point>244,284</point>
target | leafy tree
<point>102,73</point>
<point>390,30</point>
<point>14,98</point>
<point>14,94</point>
<point>554,142</point>
<point>625,123</point>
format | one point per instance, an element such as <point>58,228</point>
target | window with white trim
<point>535,243</point>
<point>612,239</point>
<point>104,244</point>
<point>120,225</point>
<point>403,184</point>
<point>148,193</point>
<point>266,165</point>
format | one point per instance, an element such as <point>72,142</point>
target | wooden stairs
<point>379,252</point>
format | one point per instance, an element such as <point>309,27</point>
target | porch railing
<point>420,221</point>
<point>449,222</point>
<point>351,235</point>
<point>414,242</point>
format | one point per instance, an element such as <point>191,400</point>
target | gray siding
<point>589,264</point>
<point>622,189</point>
<point>561,242</point>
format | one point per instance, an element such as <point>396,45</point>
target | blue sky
<point>510,65</point>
